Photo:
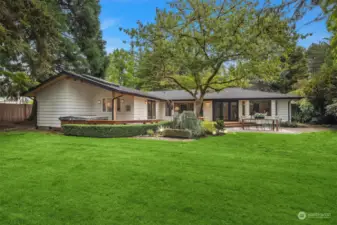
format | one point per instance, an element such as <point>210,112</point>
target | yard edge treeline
<point>39,38</point>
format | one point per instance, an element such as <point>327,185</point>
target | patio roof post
<point>247,108</point>
<point>114,108</point>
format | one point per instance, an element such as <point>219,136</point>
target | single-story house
<point>70,94</point>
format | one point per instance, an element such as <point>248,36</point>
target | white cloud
<point>114,43</point>
<point>109,22</point>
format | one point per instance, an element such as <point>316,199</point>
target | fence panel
<point>14,112</point>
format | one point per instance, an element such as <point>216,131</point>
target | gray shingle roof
<point>228,93</point>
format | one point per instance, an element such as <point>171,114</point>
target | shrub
<point>179,133</point>
<point>208,126</point>
<point>220,125</point>
<point>150,132</point>
<point>86,130</point>
<point>289,124</point>
<point>188,120</point>
<point>306,111</point>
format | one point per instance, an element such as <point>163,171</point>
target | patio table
<point>274,121</point>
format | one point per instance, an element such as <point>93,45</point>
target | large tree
<point>121,69</point>
<point>84,29</point>
<point>41,37</point>
<point>294,69</point>
<point>317,54</point>
<point>202,46</point>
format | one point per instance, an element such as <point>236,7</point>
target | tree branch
<point>181,86</point>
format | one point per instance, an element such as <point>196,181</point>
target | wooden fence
<point>14,112</point>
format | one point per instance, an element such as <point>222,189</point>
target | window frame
<point>259,101</point>
<point>104,105</point>
<point>168,109</point>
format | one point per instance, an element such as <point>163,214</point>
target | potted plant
<point>220,126</point>
<point>259,116</point>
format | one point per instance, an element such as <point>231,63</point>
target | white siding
<point>51,104</point>
<point>126,100</point>
<point>207,108</point>
<point>64,98</point>
<point>80,98</point>
<point>140,108</point>
<point>97,102</point>
<point>161,110</point>
<point>282,109</point>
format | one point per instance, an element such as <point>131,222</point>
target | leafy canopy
<point>202,46</point>
<point>121,69</point>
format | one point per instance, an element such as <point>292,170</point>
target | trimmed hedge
<point>108,131</point>
<point>179,133</point>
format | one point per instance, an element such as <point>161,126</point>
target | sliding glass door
<point>225,110</point>
<point>151,109</point>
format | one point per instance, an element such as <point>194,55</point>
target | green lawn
<point>51,179</point>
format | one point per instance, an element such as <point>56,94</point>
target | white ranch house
<point>70,94</point>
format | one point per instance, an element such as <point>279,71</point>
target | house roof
<point>98,82</point>
<point>228,93</point>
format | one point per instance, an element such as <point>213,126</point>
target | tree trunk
<point>198,105</point>
<point>33,114</point>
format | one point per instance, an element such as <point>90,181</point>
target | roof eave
<point>75,76</point>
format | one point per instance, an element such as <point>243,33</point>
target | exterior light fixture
<point>122,100</point>
<point>99,102</point>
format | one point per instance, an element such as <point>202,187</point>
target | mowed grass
<point>52,179</point>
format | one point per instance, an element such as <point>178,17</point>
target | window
<point>260,106</point>
<point>276,108</point>
<point>107,105</point>
<point>168,109</point>
<point>151,109</point>
<point>118,104</point>
<point>128,108</point>
<point>181,107</point>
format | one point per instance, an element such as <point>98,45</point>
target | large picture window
<point>260,106</point>
<point>107,105</point>
<point>181,107</point>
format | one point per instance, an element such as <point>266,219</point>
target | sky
<point>126,13</point>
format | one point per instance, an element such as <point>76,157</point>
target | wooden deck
<point>110,122</point>
<point>236,124</point>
